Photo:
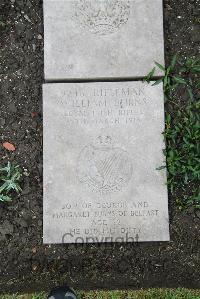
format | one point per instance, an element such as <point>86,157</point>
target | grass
<point>2,23</point>
<point>177,74</point>
<point>140,294</point>
<point>182,130</point>
<point>10,177</point>
<point>182,135</point>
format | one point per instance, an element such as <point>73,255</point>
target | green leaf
<point>150,75</point>
<point>161,167</point>
<point>9,181</point>
<point>165,81</point>
<point>160,66</point>
<point>168,70</point>
<point>4,186</point>
<point>157,82</point>
<point>179,80</point>
<point>173,62</point>
<point>190,93</point>
<point>2,24</point>
<point>195,69</point>
<point>5,198</point>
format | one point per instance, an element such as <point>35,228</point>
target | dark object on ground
<point>63,292</point>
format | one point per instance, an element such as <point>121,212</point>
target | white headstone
<point>86,39</point>
<point>102,145</point>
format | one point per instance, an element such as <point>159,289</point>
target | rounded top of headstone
<point>101,17</point>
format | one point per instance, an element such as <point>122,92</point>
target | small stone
<point>34,114</point>
<point>40,222</point>
<point>20,28</point>
<point>197,213</point>
<point>6,228</point>
<point>21,222</point>
<point>34,47</point>
<point>12,107</point>
<point>27,18</point>
<point>18,72</point>
<point>34,266</point>
<point>2,121</point>
<point>195,34</point>
<point>34,250</point>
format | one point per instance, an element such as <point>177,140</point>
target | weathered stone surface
<point>102,145</point>
<point>102,38</point>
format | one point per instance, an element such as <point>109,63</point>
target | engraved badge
<point>103,167</point>
<point>101,17</point>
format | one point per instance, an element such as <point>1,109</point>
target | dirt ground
<point>25,263</point>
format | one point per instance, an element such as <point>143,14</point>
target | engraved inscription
<point>103,167</point>
<point>101,17</point>
<point>103,143</point>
